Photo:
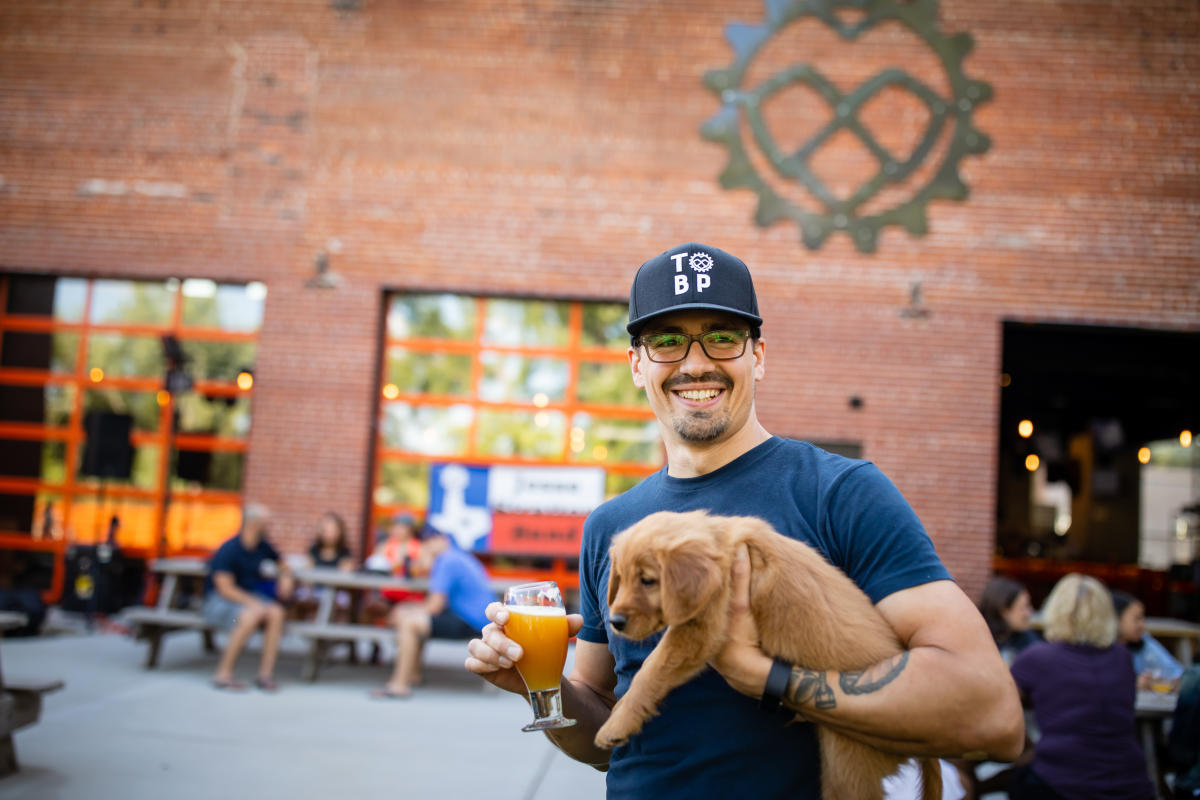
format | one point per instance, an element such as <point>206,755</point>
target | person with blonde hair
<point>1080,684</point>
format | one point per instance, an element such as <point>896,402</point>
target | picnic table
<point>20,703</point>
<point>324,631</point>
<point>168,615</point>
<point>1151,709</point>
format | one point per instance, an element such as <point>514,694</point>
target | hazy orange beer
<point>542,633</point>
<point>537,621</point>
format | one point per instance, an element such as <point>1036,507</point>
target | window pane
<point>16,513</point>
<point>47,405</point>
<point>608,383</point>
<point>404,483</point>
<point>90,518</point>
<point>143,472</point>
<point>53,351</point>
<point>429,373</point>
<point>528,434</point>
<point>604,325</point>
<point>22,458</point>
<point>526,322</point>
<point>514,377</point>
<point>218,361</point>
<point>230,307</point>
<point>431,430</point>
<point>615,440</point>
<point>130,356</point>
<point>202,525</point>
<point>142,405</point>
<point>54,462</point>
<point>132,302</point>
<point>208,469</point>
<point>431,316</point>
<point>46,295</point>
<point>217,415</point>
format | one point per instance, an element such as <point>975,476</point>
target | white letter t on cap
<point>678,259</point>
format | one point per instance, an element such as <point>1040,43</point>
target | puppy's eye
<point>649,581</point>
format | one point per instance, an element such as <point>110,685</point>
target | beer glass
<point>538,622</point>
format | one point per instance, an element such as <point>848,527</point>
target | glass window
<point>218,361</point>
<point>210,469</point>
<point>22,458</point>
<point>127,356</point>
<point>607,383</point>
<point>53,351</point>
<point>46,295</point>
<point>604,326</point>
<point>618,441</point>
<point>49,404</point>
<point>431,316</point>
<point>222,416</point>
<point>138,302</point>
<point>143,406</point>
<point>143,472</point>
<point>522,434</point>
<point>230,307</point>
<point>509,377</point>
<point>403,482</point>
<point>430,430</point>
<point>429,373</point>
<point>526,322</point>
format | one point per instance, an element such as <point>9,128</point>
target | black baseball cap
<point>691,275</point>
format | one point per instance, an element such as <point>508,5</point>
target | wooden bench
<point>152,623</point>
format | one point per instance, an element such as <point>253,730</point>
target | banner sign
<point>537,534</point>
<point>514,510</point>
<point>546,490</point>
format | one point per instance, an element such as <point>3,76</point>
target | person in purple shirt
<point>1080,684</point>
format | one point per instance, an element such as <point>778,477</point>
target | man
<point>698,352</point>
<point>453,609</point>
<point>241,598</point>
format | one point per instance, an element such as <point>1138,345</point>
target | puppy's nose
<point>617,621</point>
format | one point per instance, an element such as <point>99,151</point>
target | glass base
<point>547,711</point>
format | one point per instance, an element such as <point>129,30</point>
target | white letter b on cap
<point>681,284</point>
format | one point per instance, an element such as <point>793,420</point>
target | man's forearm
<point>916,703</point>
<point>590,710</point>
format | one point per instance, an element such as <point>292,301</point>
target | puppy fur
<point>672,570</point>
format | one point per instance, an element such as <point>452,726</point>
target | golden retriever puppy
<point>672,571</point>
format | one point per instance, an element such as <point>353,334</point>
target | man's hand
<point>493,655</point>
<point>742,662</point>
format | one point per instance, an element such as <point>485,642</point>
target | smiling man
<point>698,352</point>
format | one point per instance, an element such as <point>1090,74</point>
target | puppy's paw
<point>609,736</point>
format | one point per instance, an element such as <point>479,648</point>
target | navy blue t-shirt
<point>245,565</point>
<point>709,740</point>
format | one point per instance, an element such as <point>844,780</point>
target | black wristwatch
<point>777,680</point>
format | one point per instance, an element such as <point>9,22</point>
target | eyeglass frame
<point>694,338</point>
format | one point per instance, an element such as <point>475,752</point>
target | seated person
<point>241,599</point>
<point>452,609</point>
<point>1152,663</point>
<point>329,549</point>
<point>1080,684</point>
<point>1007,609</point>
<point>1183,743</point>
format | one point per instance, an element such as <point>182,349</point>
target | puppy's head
<point>663,571</point>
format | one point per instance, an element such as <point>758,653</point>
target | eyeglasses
<point>667,348</point>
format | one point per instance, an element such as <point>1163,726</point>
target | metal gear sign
<point>743,104</point>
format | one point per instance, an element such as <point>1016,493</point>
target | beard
<point>700,427</point>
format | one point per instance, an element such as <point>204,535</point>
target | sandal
<point>266,684</point>
<point>229,684</point>
<point>387,694</point>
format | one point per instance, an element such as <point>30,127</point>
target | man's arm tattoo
<point>873,678</point>
<point>806,684</point>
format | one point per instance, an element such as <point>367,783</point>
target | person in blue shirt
<point>698,352</point>
<point>1152,663</point>
<point>453,608</point>
<point>241,597</point>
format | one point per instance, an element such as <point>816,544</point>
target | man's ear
<point>690,577</point>
<point>635,367</point>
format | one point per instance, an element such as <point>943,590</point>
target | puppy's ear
<point>614,582</point>
<point>690,577</point>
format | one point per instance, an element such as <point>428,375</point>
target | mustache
<point>677,381</point>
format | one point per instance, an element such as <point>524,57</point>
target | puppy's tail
<point>931,779</point>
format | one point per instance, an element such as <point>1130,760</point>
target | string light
<point>1025,428</point>
<point>1144,455</point>
<point>1032,462</point>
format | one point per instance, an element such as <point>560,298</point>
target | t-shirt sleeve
<point>877,538</point>
<point>268,550</point>
<point>441,577</point>
<point>222,560</point>
<point>591,593</point>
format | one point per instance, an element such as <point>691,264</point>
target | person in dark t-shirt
<point>698,352</point>
<point>241,598</point>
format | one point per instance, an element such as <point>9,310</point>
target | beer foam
<point>537,611</point>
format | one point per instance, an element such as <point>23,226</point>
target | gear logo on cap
<point>701,262</point>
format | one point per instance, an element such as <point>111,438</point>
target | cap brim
<point>635,326</point>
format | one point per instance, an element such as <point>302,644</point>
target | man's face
<point>701,400</point>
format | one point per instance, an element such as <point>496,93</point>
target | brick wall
<point>549,148</point>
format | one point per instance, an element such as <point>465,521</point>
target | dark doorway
<point>1095,396</point>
